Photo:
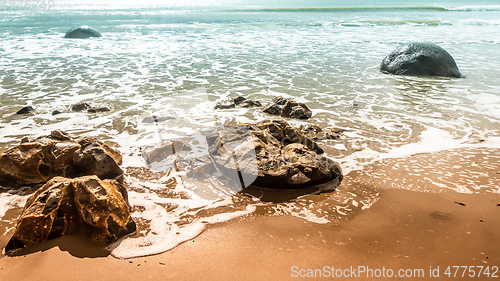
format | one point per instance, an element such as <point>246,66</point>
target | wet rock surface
<point>287,108</point>
<point>26,110</point>
<point>37,161</point>
<point>420,59</point>
<point>82,32</point>
<point>238,101</point>
<point>315,132</point>
<point>84,205</point>
<point>269,154</point>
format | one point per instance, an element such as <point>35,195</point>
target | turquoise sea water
<point>178,60</point>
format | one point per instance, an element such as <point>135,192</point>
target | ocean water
<point>177,60</point>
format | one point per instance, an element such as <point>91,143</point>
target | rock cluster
<point>80,191</point>
<point>78,107</point>
<point>269,154</point>
<point>287,108</point>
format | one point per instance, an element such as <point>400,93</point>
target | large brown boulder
<point>37,161</point>
<point>84,205</point>
<point>271,154</point>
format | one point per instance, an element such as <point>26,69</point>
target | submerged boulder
<point>26,110</point>
<point>420,59</point>
<point>287,108</point>
<point>37,161</point>
<point>270,154</point>
<point>82,32</point>
<point>84,205</point>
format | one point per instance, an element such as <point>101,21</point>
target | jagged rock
<point>80,106</point>
<point>286,134</point>
<point>315,132</point>
<point>37,161</point>
<point>420,59</point>
<point>26,110</point>
<point>233,102</point>
<point>287,108</point>
<point>270,154</point>
<point>225,104</point>
<point>85,205</point>
<point>85,106</point>
<point>250,103</point>
<point>162,152</point>
<point>238,100</point>
<point>97,109</point>
<point>95,158</point>
<point>295,166</point>
<point>60,135</point>
<point>82,32</point>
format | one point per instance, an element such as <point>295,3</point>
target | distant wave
<point>344,9</point>
<point>476,8</point>
<point>376,8</point>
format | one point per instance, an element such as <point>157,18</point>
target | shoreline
<point>403,229</point>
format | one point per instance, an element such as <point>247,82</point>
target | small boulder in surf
<point>82,32</point>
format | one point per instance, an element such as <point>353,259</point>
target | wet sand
<point>404,229</point>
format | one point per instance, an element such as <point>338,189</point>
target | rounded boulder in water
<point>420,59</point>
<point>82,32</point>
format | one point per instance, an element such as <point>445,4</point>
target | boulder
<point>287,108</point>
<point>96,158</point>
<point>81,106</point>
<point>82,32</point>
<point>84,205</point>
<point>37,161</point>
<point>26,110</point>
<point>270,154</point>
<point>420,59</point>
<point>98,109</point>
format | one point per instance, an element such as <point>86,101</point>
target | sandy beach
<point>409,230</point>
